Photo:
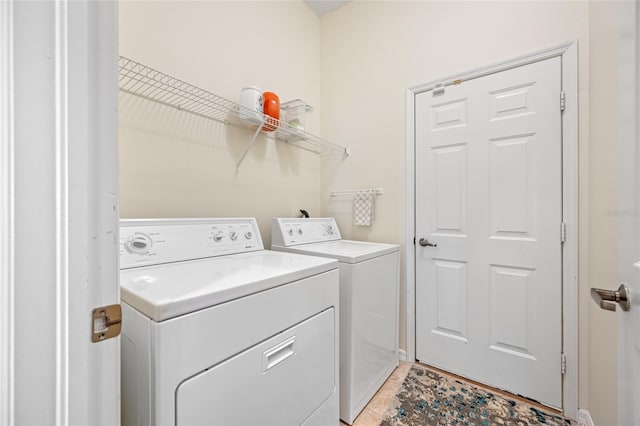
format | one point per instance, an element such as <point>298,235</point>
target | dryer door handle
<point>278,353</point>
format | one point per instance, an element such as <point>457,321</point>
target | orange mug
<point>271,109</point>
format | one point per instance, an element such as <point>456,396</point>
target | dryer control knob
<point>233,235</point>
<point>248,235</point>
<point>218,237</point>
<point>290,232</point>
<point>138,244</point>
<point>329,229</point>
<point>299,231</point>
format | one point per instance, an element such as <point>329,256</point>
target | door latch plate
<point>106,322</point>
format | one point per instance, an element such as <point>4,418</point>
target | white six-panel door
<point>489,196</point>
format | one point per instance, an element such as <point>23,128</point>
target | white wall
<point>173,164</point>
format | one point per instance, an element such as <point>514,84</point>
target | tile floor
<point>374,411</point>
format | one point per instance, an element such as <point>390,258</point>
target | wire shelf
<point>140,80</point>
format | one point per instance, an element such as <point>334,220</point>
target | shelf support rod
<point>374,191</point>
<point>249,145</point>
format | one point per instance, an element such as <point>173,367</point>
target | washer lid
<point>166,291</point>
<point>346,251</point>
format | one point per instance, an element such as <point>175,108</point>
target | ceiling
<point>322,7</point>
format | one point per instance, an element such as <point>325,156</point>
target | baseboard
<point>402,354</point>
<point>584,418</point>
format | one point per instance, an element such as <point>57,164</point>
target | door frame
<point>58,205</point>
<point>568,53</point>
<point>6,214</point>
<point>629,202</point>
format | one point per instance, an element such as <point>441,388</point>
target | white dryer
<point>369,303</point>
<point>218,331</point>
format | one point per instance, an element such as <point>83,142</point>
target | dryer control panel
<point>293,231</point>
<point>145,242</point>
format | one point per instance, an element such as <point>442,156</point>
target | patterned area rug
<point>428,398</point>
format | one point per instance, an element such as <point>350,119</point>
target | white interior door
<point>489,199</point>
<point>629,218</point>
<point>58,211</point>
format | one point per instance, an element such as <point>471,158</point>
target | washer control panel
<point>294,231</point>
<point>146,242</point>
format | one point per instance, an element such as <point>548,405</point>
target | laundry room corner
<point>195,252</point>
<point>178,165</point>
<point>401,45</point>
<point>175,164</point>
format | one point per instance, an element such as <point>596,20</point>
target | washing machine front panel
<point>373,326</point>
<point>277,382</point>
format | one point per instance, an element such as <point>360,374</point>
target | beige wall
<point>603,200</point>
<point>373,51</point>
<point>354,66</point>
<point>174,164</point>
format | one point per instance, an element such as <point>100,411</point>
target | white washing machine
<point>218,331</point>
<point>369,297</point>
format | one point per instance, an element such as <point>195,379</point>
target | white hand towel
<point>363,212</point>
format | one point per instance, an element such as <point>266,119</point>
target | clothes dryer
<point>218,331</point>
<point>369,299</point>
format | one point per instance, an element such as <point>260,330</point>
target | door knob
<point>606,298</point>
<point>425,243</point>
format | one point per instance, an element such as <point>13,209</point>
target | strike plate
<point>106,322</point>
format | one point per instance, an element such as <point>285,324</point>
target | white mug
<point>251,103</point>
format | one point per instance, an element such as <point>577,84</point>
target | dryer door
<point>280,381</point>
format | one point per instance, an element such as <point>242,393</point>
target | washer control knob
<point>299,231</point>
<point>248,235</point>
<point>218,237</point>
<point>233,235</point>
<point>138,244</point>
<point>329,229</point>
<point>290,232</point>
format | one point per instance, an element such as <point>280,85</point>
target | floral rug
<point>429,398</point>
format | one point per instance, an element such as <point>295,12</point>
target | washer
<point>218,331</point>
<point>369,294</point>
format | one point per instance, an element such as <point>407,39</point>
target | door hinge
<point>106,322</point>
<point>563,100</point>
<point>563,232</point>
<point>414,241</point>
<point>563,364</point>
